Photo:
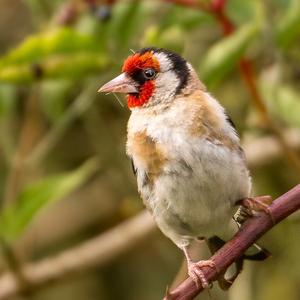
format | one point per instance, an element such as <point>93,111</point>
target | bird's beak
<point>121,84</point>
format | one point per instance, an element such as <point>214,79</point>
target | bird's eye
<point>149,73</point>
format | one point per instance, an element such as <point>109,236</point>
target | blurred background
<point>72,225</point>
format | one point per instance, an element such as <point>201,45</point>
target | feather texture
<point>194,162</point>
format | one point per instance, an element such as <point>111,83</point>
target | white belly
<point>195,195</point>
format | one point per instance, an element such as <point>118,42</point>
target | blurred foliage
<point>37,195</point>
<point>74,46</point>
<point>289,25</point>
<point>59,53</point>
<point>224,55</point>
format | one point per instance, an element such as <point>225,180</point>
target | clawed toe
<point>196,273</point>
<point>260,203</point>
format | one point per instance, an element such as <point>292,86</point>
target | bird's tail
<point>255,253</point>
<point>260,253</point>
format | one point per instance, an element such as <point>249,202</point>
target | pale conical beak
<point>121,84</point>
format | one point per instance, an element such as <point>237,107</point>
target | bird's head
<point>150,76</point>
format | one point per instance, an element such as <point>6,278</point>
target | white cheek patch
<point>166,81</point>
<point>165,63</point>
<point>165,87</point>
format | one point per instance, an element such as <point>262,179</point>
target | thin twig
<point>31,130</point>
<point>102,249</point>
<point>81,213</point>
<point>252,230</point>
<point>249,78</point>
<point>95,252</point>
<point>78,107</point>
<point>267,149</point>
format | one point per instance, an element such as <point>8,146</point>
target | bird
<point>185,151</point>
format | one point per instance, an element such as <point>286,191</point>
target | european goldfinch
<point>186,154</point>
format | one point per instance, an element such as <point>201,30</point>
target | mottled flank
<point>223,141</point>
<point>207,123</point>
<point>204,117</point>
<point>146,150</point>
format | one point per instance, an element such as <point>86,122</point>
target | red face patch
<point>140,61</point>
<point>135,63</point>
<point>143,96</point>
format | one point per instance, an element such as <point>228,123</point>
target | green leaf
<point>242,12</point>
<point>60,66</point>
<point>187,20</point>
<point>58,41</point>
<point>284,102</point>
<point>171,38</point>
<point>14,220</point>
<point>127,19</point>
<point>288,29</point>
<point>222,56</point>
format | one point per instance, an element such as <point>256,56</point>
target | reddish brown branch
<point>97,251</point>
<point>248,75</point>
<point>252,230</point>
<point>217,9</point>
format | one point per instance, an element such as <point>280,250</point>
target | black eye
<point>149,73</point>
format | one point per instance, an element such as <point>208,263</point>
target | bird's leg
<point>215,243</point>
<point>260,203</point>
<point>195,269</point>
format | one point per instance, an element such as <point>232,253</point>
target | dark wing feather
<point>134,170</point>
<point>215,243</point>
<point>229,120</point>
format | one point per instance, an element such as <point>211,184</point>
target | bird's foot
<point>196,273</point>
<point>256,204</point>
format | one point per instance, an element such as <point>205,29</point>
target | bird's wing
<point>134,170</point>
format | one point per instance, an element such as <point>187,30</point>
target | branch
<point>78,107</point>
<point>82,214</point>
<point>95,252</point>
<point>109,245</point>
<point>264,150</point>
<point>252,230</point>
<point>104,248</point>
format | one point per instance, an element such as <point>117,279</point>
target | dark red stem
<point>248,75</point>
<point>252,230</point>
<point>245,66</point>
<point>226,24</point>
